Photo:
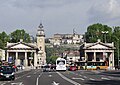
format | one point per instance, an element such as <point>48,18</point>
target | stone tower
<point>41,45</point>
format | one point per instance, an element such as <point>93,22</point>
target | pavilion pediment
<point>98,46</point>
<point>20,46</point>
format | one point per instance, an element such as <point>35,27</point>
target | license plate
<point>7,76</point>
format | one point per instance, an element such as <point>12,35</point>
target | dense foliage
<point>13,37</point>
<point>19,34</point>
<point>98,31</point>
<point>105,34</point>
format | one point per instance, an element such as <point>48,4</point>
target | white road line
<point>54,83</point>
<point>67,79</point>
<point>22,76</point>
<point>105,78</point>
<point>28,76</point>
<point>2,83</point>
<point>92,79</point>
<point>50,75</point>
<point>78,78</point>
<point>84,76</point>
<point>38,79</point>
<point>80,75</point>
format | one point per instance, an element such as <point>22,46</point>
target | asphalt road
<point>82,77</point>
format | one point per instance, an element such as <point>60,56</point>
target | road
<point>81,77</point>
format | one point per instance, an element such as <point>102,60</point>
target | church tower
<point>41,45</point>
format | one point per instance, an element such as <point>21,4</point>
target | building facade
<point>2,55</point>
<point>28,54</point>
<point>59,39</point>
<point>97,52</point>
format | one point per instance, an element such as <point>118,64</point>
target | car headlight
<point>1,73</point>
<point>13,73</point>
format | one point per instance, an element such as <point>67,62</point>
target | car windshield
<point>47,66</point>
<point>6,69</point>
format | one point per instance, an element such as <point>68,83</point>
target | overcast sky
<point>57,16</point>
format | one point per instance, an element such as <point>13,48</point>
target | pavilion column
<point>95,56</point>
<point>25,61</point>
<point>86,56</point>
<point>7,56</point>
<point>16,55</point>
<point>35,59</point>
<point>17,61</point>
<point>113,59</point>
<point>110,60</point>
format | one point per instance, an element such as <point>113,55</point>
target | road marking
<point>80,75</point>
<point>84,76</point>
<point>67,79</point>
<point>38,79</point>
<point>2,83</point>
<point>78,78</point>
<point>28,76</point>
<point>50,75</point>
<point>105,78</point>
<point>19,83</point>
<point>54,83</point>
<point>22,75</point>
<point>92,79</point>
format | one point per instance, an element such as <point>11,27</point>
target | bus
<point>60,64</point>
<point>94,65</point>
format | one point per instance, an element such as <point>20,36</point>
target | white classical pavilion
<point>97,52</point>
<point>28,54</point>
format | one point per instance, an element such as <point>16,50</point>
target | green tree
<point>4,38</point>
<point>116,40</point>
<point>94,32</point>
<point>19,34</point>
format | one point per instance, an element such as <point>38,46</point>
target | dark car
<point>46,68</point>
<point>7,72</point>
<point>73,68</point>
<point>117,67</point>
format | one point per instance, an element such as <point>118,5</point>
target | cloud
<point>57,16</point>
<point>105,11</point>
<point>36,3</point>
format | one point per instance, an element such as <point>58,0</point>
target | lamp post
<point>118,51</point>
<point>104,32</point>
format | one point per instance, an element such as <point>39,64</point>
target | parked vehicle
<point>117,67</point>
<point>73,68</point>
<point>7,72</point>
<point>46,68</point>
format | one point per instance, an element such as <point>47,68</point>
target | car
<point>46,68</point>
<point>7,72</point>
<point>73,68</point>
<point>20,67</point>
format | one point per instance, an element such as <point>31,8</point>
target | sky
<point>57,16</point>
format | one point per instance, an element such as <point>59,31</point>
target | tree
<point>116,40</point>
<point>94,32</point>
<point>19,34</point>
<point>4,38</point>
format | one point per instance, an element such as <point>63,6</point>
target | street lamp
<point>118,51</point>
<point>104,32</point>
